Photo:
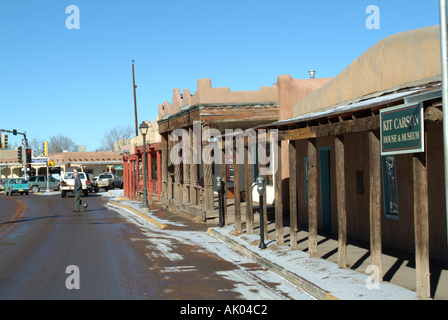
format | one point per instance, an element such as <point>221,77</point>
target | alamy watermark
<point>73,281</point>
<point>373,281</point>
<point>373,21</point>
<point>72,22</point>
<point>191,152</point>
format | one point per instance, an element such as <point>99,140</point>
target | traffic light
<point>28,157</point>
<point>5,141</point>
<point>45,145</point>
<point>19,154</point>
<point>14,132</point>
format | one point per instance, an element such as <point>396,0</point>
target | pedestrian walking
<point>78,192</point>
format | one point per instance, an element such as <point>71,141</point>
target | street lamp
<point>144,130</point>
<point>219,186</point>
<point>260,189</point>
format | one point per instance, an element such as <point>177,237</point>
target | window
<point>68,176</point>
<point>305,170</point>
<point>41,179</point>
<point>390,194</point>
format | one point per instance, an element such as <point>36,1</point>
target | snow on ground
<point>247,283</point>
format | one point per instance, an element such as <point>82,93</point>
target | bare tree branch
<point>117,137</point>
<point>59,143</point>
<point>36,144</point>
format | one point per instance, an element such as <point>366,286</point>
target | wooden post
<point>224,182</point>
<point>193,167</point>
<point>164,170</point>
<point>248,187</point>
<point>293,193</point>
<point>340,195</point>
<point>262,156</point>
<point>375,202</point>
<point>177,195</point>
<point>421,224</point>
<point>148,182</point>
<point>278,194</point>
<point>170,170</point>
<point>208,200</point>
<point>186,173</point>
<point>312,198</point>
<point>236,184</point>
<point>159,177</point>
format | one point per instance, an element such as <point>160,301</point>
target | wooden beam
<point>421,224</point>
<point>332,129</point>
<point>340,195</point>
<point>293,209</point>
<point>375,205</point>
<point>296,134</point>
<point>278,196</point>
<point>312,198</point>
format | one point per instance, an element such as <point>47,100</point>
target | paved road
<point>120,257</point>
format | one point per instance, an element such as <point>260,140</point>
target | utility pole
<point>135,100</point>
<point>444,55</point>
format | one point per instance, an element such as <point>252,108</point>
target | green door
<point>325,187</point>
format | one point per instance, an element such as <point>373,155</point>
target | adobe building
<point>91,162</point>
<point>133,164</point>
<point>290,92</point>
<point>190,186</point>
<point>339,181</point>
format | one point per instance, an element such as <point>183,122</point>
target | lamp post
<point>219,186</point>
<point>144,130</point>
<point>260,189</point>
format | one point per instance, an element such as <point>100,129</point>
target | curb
<point>123,199</point>
<point>304,284</point>
<point>141,215</point>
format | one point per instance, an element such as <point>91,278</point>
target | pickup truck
<point>109,181</point>
<point>40,183</point>
<point>67,184</point>
<point>17,185</point>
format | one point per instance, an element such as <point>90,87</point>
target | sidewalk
<point>321,277</point>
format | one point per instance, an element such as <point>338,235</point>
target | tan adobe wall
<point>206,94</point>
<point>291,91</point>
<point>396,60</point>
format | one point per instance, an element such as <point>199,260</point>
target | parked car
<point>17,185</point>
<point>109,181</point>
<point>2,184</point>
<point>67,183</point>
<point>40,183</point>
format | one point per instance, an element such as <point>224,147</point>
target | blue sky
<point>78,82</point>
